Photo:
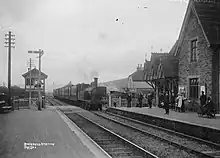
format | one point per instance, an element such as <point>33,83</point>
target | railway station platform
<point>188,122</point>
<point>188,117</point>
<point>29,133</point>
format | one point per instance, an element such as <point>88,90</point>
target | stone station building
<point>196,54</point>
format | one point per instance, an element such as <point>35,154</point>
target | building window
<point>28,81</point>
<point>194,88</point>
<point>193,50</point>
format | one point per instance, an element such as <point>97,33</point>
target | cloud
<point>19,10</point>
<point>81,38</point>
<point>102,36</point>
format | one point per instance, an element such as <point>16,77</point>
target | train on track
<point>87,96</point>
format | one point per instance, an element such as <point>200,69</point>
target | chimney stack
<point>140,67</point>
<point>95,82</point>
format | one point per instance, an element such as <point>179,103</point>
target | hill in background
<point>119,84</point>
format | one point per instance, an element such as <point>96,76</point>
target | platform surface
<point>32,126</point>
<point>188,117</point>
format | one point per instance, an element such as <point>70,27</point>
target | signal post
<point>40,52</point>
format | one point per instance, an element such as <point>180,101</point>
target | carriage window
<point>194,88</point>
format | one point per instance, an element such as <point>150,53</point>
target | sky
<point>82,39</point>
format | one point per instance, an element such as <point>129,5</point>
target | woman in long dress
<point>179,102</point>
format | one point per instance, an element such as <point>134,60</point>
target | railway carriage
<point>87,96</point>
<point>73,93</point>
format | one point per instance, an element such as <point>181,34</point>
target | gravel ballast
<point>157,147</point>
<point>192,144</point>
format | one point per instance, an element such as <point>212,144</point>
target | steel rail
<point>145,152</point>
<point>158,137</point>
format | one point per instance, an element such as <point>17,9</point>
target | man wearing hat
<point>166,103</point>
<point>202,99</point>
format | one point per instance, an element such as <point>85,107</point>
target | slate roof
<point>34,71</point>
<point>69,84</point>
<point>174,48</point>
<point>147,69</point>
<point>167,61</point>
<point>169,67</point>
<point>147,65</point>
<point>138,75</point>
<point>155,57</point>
<point>209,16</point>
<point>141,85</point>
<point>155,62</point>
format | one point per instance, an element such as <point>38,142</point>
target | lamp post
<point>40,52</point>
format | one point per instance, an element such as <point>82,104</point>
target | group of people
<point>141,100</point>
<point>206,106</point>
<point>176,103</point>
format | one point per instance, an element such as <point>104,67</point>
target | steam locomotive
<point>87,96</point>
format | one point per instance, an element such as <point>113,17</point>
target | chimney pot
<point>95,81</point>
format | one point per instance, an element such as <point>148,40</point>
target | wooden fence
<point>23,103</point>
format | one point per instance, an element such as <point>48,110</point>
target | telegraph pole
<point>10,41</point>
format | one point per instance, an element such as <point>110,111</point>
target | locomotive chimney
<point>95,82</point>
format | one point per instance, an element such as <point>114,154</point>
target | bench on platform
<point>191,105</point>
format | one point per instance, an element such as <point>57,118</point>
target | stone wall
<point>202,68</point>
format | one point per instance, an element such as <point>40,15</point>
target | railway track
<point>115,145</point>
<point>148,143</point>
<point>194,145</point>
<point>55,102</point>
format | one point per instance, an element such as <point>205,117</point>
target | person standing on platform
<point>180,105</point>
<point>172,101</point>
<point>149,99</point>
<point>179,102</point>
<point>161,100</point>
<point>202,99</point>
<point>210,108</point>
<point>140,98</point>
<point>166,103</point>
<point>129,100</point>
<point>115,104</point>
<point>145,100</point>
<point>183,104</point>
